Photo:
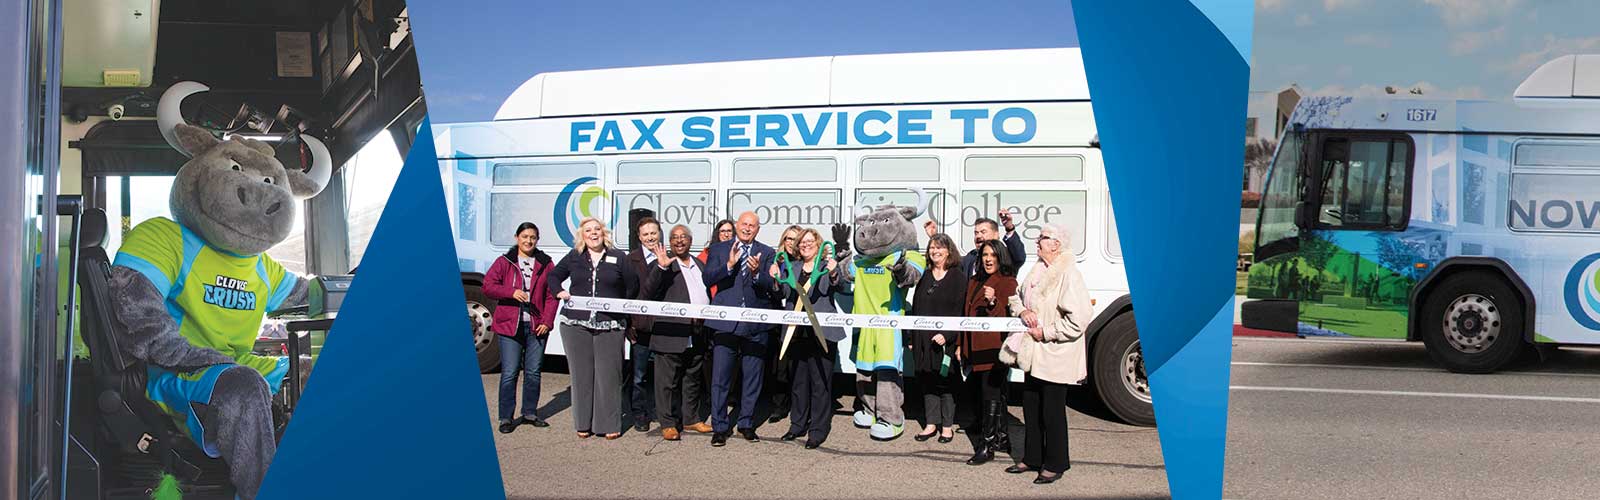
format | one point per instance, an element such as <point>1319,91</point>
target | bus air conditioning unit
<point>116,46</point>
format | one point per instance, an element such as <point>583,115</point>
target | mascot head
<point>887,229</point>
<point>235,194</point>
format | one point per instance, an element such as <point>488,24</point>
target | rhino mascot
<point>885,267</point>
<point>190,291</point>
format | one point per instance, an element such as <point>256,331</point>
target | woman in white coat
<point>1054,302</point>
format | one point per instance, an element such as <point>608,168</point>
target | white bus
<point>801,141</point>
<point>1469,225</point>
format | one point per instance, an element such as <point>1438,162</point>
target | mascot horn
<point>191,291</point>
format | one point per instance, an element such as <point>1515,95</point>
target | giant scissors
<point>791,277</point>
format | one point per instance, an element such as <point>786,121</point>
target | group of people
<point>963,374</point>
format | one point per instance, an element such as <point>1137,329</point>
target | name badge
<point>611,259</point>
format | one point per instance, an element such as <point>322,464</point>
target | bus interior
<point>343,72</point>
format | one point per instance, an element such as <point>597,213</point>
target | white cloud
<point>1268,4</point>
<point>1303,20</point>
<point>1553,48</point>
<point>1368,39</point>
<point>1470,42</point>
<point>1471,12</point>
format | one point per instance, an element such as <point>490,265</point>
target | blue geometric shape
<point>395,407</point>
<point>1169,94</point>
<point>1191,389</point>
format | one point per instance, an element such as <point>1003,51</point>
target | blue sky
<point>1474,49</point>
<point>475,53</point>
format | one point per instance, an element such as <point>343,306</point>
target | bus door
<point>1355,273</point>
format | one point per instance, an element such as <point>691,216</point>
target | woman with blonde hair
<point>1053,302</point>
<point>594,340</point>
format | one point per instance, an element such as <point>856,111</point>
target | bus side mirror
<point>1302,214</point>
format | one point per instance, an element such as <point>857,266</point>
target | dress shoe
<point>1018,469</point>
<point>719,439</point>
<point>981,457</point>
<point>812,444</point>
<point>1046,478</point>
<point>789,436</point>
<point>749,435</point>
<point>613,436</point>
<point>669,434</point>
<point>506,426</point>
<point>700,427</point>
<point>924,436</point>
<point>947,439</point>
<point>534,421</point>
<point>641,425</point>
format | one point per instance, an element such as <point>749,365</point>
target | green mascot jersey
<point>217,298</point>
<point>880,348</point>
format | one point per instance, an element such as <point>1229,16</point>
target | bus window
<point>1558,155</point>
<point>1364,183</point>
<point>530,174</point>
<point>1024,168</point>
<point>1285,186</point>
<point>1113,238</point>
<point>664,172</point>
<point>1030,209</point>
<point>507,210</point>
<point>935,207</point>
<point>785,170</point>
<point>694,209</point>
<point>875,169</point>
<point>778,209</point>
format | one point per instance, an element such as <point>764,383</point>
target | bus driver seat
<point>134,425</point>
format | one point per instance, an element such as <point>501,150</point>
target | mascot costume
<point>190,292</point>
<point>886,266</point>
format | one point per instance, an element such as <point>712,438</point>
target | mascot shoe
<point>864,419</point>
<point>882,431</point>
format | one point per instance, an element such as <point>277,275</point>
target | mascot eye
<point>267,180</point>
<point>234,165</point>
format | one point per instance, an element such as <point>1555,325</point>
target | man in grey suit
<point>679,344</point>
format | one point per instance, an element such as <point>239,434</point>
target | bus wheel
<point>1118,372</point>
<point>480,312</point>
<point>1472,323</point>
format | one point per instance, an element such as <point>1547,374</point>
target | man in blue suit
<point>734,266</point>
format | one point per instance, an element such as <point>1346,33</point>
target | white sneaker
<point>864,419</point>
<point>883,431</point>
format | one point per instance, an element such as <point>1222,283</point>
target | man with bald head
<point>734,267</point>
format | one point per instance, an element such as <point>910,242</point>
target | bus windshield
<point>1276,230</point>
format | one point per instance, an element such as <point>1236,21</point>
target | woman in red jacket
<point>523,317</point>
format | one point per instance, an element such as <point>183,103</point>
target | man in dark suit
<point>984,230</point>
<point>734,266</point>
<point>639,327</point>
<point>679,344</point>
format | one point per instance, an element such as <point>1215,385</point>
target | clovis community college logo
<point>1582,292</point>
<point>583,197</point>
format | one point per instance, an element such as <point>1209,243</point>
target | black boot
<point>982,437</point>
<point>999,418</point>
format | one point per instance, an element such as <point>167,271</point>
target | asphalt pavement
<point>1109,460</point>
<point>1311,418</point>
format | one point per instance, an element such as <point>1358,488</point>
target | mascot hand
<point>841,238</point>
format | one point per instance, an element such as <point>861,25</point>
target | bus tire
<point>1472,323</point>
<point>1118,372</point>
<point>480,314</point>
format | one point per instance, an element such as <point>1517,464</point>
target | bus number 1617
<point>1421,115</point>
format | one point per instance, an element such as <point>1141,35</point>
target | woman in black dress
<point>940,292</point>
